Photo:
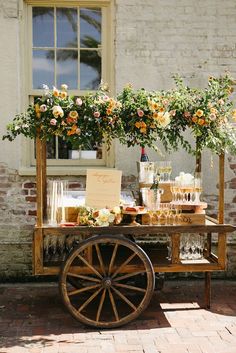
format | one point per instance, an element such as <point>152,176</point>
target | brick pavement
<point>33,320</point>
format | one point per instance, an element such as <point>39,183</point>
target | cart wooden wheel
<point>115,281</point>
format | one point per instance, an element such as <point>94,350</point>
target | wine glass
<point>197,187</point>
<point>171,214</point>
<point>158,215</point>
<point>168,170</point>
<point>165,210</point>
<point>151,214</point>
<point>178,211</point>
<point>160,168</point>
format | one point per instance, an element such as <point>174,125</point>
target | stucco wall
<point>153,40</point>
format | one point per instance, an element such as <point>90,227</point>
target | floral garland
<point>135,117</point>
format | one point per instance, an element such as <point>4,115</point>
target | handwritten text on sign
<point>103,188</point>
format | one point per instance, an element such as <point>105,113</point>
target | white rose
<point>57,111</point>
<point>64,87</point>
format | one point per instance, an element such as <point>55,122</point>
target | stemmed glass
<point>197,186</point>
<point>151,213</point>
<point>168,170</point>
<point>165,212</point>
<point>175,190</point>
<point>158,215</point>
<point>176,210</point>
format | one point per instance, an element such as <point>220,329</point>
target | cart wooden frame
<point>88,270</point>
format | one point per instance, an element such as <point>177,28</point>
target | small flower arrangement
<point>102,217</point>
<point>90,120</point>
<point>101,119</point>
<point>208,113</point>
<point>144,116</point>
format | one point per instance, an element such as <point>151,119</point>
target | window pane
<point>90,28</point>
<point>43,68</point>
<point>51,149</point>
<point>67,68</point>
<point>90,69</point>
<point>43,29</point>
<point>63,149</point>
<point>67,28</point>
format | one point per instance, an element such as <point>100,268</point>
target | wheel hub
<point>106,282</point>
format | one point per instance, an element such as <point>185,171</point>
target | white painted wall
<point>157,38</point>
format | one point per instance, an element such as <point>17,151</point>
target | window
<point>69,42</point>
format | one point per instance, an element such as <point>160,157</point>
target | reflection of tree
<point>88,57</point>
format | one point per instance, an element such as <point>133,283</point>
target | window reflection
<point>43,68</point>
<point>43,28</point>
<point>90,28</point>
<point>51,148</point>
<point>63,149</point>
<point>90,69</point>
<point>67,68</point>
<point>66,37</point>
<point>66,28</point>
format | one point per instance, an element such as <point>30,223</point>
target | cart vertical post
<point>41,198</point>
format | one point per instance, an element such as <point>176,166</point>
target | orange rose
<point>155,115</point>
<point>63,94</point>
<point>199,113</point>
<point>194,119</point>
<point>143,130</point>
<point>55,92</point>
<point>201,122</point>
<point>73,130</point>
<point>143,124</point>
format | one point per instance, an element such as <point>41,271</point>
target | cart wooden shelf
<point>108,277</point>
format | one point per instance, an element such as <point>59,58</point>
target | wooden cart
<point>108,279</point>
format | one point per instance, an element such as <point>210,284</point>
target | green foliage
<point>136,117</point>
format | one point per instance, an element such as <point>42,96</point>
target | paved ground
<point>33,320</point>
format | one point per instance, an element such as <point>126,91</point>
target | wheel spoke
<point>138,289</point>
<point>100,259</point>
<point>89,300</point>
<point>124,298</point>
<point>77,291</point>
<point>92,279</point>
<point>101,304</point>
<point>90,266</point>
<point>113,305</point>
<point>123,265</point>
<point>128,275</point>
<point>112,259</point>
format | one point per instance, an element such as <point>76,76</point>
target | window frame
<point>60,167</point>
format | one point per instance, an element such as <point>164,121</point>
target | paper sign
<point>103,188</point>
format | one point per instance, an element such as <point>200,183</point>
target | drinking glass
<point>168,170</point>
<point>158,215</point>
<point>151,214</point>
<point>165,212</point>
<point>175,190</point>
<point>177,211</point>
<point>171,214</point>
<point>160,169</point>
<point>169,247</point>
<point>197,187</point>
